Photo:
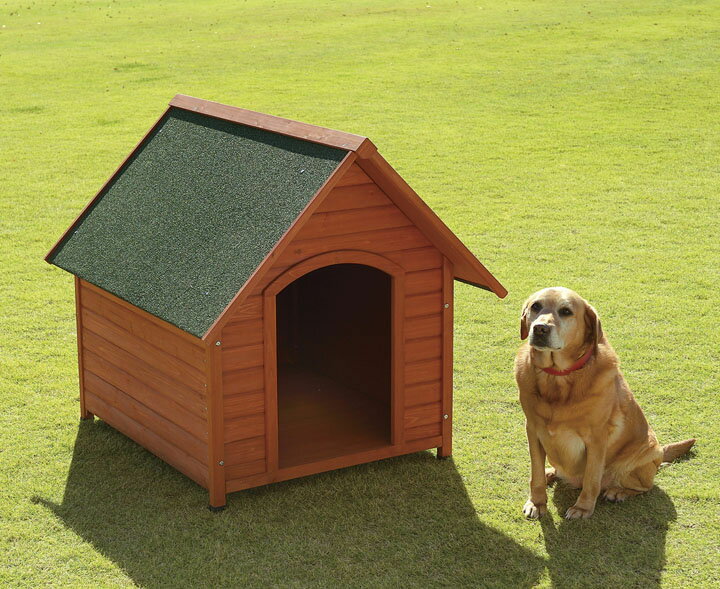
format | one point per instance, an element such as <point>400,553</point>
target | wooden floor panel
<point>319,418</point>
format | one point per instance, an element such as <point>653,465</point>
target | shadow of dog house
<point>260,299</point>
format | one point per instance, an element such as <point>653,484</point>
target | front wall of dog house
<point>356,215</point>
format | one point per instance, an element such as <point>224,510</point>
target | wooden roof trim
<point>99,193</point>
<point>213,333</point>
<point>304,131</point>
<point>467,267</point>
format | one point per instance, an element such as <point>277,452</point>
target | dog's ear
<point>524,324</point>
<point>593,327</point>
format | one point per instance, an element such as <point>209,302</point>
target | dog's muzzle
<point>541,335</point>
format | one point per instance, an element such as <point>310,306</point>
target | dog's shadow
<point>401,522</point>
<point>623,544</point>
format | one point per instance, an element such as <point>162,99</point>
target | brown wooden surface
<point>466,266</point>
<point>423,393</point>
<point>244,404</point>
<point>270,375</point>
<point>423,415</point>
<point>423,327</point>
<point>251,309</point>
<point>272,123</point>
<point>425,348</point>
<point>423,282</point>
<point>424,304</point>
<point>403,246</point>
<point>130,319</point>
<point>167,400</point>
<point>164,403</point>
<point>354,176</point>
<point>423,431</point>
<point>139,322</point>
<point>243,381</point>
<point>145,378</point>
<point>379,241</point>
<point>321,419</point>
<point>242,357</point>
<point>355,197</point>
<point>323,225</point>
<point>246,482</point>
<point>247,426</point>
<point>171,365</point>
<point>148,374</point>
<point>244,470</point>
<point>176,457</point>
<point>216,426</point>
<point>84,413</point>
<point>414,259</point>
<point>243,451</point>
<point>327,259</point>
<point>143,415</point>
<point>418,316</point>
<point>238,334</point>
<point>447,357</point>
<point>423,371</point>
<point>398,361</point>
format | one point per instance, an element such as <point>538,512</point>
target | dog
<point>580,412</point>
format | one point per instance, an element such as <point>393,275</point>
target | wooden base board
<point>285,474</point>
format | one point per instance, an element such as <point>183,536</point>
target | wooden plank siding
<point>356,215</point>
<point>146,381</point>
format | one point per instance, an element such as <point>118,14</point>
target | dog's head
<point>558,318</point>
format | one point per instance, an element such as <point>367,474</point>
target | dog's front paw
<point>534,510</point>
<point>576,512</point>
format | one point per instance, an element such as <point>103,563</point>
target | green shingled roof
<point>191,215</point>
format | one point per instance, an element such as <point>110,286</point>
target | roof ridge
<point>272,123</point>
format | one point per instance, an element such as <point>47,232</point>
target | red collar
<point>577,366</point>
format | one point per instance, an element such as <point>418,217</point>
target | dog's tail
<point>677,449</point>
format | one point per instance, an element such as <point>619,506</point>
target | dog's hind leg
<point>619,494</point>
<point>632,483</point>
<point>550,476</point>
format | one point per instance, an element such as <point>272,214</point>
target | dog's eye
<point>565,312</point>
<point>536,306</point>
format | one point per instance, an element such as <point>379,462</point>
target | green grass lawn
<point>565,142</point>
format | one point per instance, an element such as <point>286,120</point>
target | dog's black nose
<point>541,329</point>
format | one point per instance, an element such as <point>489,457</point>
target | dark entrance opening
<point>334,359</point>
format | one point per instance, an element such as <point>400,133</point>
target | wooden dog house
<point>260,299</point>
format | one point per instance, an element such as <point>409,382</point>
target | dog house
<point>260,299</point>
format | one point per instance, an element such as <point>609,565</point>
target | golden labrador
<point>579,410</point>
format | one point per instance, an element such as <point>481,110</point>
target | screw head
<point>445,416</point>
<point>446,305</point>
<point>217,343</point>
<point>221,463</point>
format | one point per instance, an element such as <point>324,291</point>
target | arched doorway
<point>334,360</point>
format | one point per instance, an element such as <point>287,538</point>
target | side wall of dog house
<point>356,215</point>
<point>145,378</point>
